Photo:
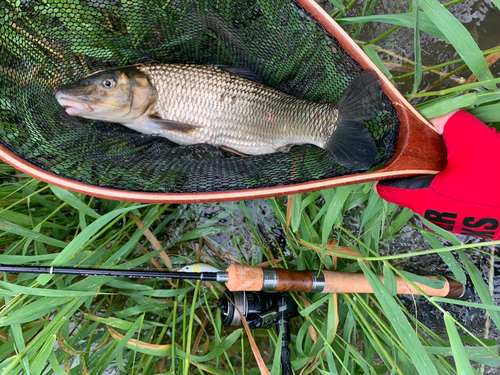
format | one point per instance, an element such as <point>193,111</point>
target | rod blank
<point>208,276</point>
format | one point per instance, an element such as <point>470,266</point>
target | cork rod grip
<point>336,282</point>
<point>247,278</point>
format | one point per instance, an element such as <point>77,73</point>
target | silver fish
<point>191,104</point>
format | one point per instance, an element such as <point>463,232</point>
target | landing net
<point>47,44</point>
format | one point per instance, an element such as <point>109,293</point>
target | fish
<point>228,107</point>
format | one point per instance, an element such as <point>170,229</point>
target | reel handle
<point>248,278</point>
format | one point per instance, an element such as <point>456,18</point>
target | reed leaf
<point>461,359</point>
<point>459,37</point>
<point>426,24</point>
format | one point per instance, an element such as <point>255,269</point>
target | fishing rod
<point>246,296</point>
<point>252,278</point>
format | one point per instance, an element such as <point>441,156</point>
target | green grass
<point>95,325</point>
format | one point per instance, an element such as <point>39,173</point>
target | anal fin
<point>285,148</point>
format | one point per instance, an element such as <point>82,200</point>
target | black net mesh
<point>54,42</point>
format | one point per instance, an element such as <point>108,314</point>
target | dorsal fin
<point>241,72</point>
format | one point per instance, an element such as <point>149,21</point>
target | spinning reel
<point>262,310</point>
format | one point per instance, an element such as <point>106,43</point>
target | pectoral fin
<point>232,150</point>
<point>171,125</point>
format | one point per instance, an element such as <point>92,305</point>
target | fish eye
<point>109,83</point>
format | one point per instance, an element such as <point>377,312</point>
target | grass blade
<point>448,258</point>
<point>416,42</point>
<point>461,359</point>
<point>55,365</point>
<point>23,232</point>
<point>276,366</point>
<point>43,355</point>
<point>33,311</point>
<point>80,240</point>
<point>373,55</point>
<point>481,287</point>
<point>403,329</point>
<point>487,113</point>
<point>401,19</point>
<point>71,198</point>
<point>105,361</point>
<point>390,280</point>
<point>334,213</point>
<point>12,289</point>
<point>441,107</point>
<point>338,4</point>
<point>459,37</point>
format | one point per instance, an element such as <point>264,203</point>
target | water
<point>481,19</point>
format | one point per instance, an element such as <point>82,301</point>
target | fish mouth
<point>74,107</point>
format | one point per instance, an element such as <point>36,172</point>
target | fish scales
<point>191,104</point>
<point>235,112</point>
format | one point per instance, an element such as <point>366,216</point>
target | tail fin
<point>352,145</point>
